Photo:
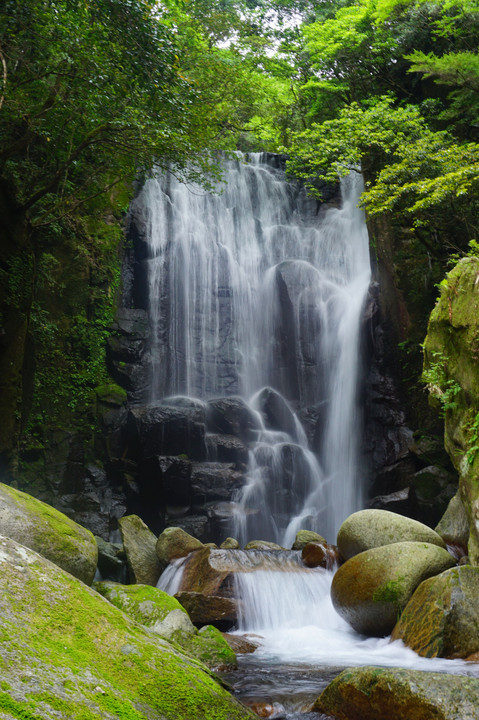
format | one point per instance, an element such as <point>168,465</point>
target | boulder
<point>276,412</point>
<point>451,370</point>
<point>111,561</point>
<point>303,537</point>
<point>230,544</point>
<point>315,554</point>
<point>372,588</point>
<point>214,481</point>
<point>221,612</point>
<point>402,502</point>
<point>164,615</point>
<point>442,617</point>
<point>453,527</point>
<point>208,572</point>
<point>140,549</point>
<point>262,545</point>
<point>396,694</point>
<point>232,416</point>
<point>160,430</point>
<point>242,644</point>
<point>47,531</point>
<point>368,529</point>
<point>223,448</point>
<point>175,543</point>
<point>69,653</point>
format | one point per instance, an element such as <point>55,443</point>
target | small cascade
<point>258,292</point>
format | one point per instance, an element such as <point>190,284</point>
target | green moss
<point>144,603</point>
<point>54,620</point>
<point>22,711</point>
<point>208,646</point>
<point>111,394</point>
<point>392,591</point>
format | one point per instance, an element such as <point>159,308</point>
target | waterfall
<point>258,291</point>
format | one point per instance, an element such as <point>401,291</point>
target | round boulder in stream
<point>376,693</point>
<point>368,529</point>
<point>442,617</point>
<point>372,588</point>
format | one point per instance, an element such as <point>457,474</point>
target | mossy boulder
<point>453,527</point>
<point>165,616</point>
<point>451,369</point>
<point>442,617</point>
<point>49,532</point>
<point>372,588</point>
<point>173,543</point>
<point>397,694</point>
<point>230,544</point>
<point>67,652</point>
<point>140,549</point>
<point>368,529</point>
<point>303,537</point>
<point>262,545</point>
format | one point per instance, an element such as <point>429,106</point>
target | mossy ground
<point>67,652</point>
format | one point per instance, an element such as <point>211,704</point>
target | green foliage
<point>441,387</point>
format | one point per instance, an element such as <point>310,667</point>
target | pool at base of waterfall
<point>280,691</point>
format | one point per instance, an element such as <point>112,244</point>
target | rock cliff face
<point>452,371</point>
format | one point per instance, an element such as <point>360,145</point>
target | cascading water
<point>256,287</point>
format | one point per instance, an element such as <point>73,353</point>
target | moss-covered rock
<point>303,537</point>
<point>67,652</point>
<point>165,616</point>
<point>368,529</point>
<point>397,694</point>
<point>372,588</point>
<point>442,617</point>
<point>49,532</point>
<point>453,526</point>
<point>174,542</point>
<point>451,368</point>
<point>139,543</point>
<point>262,545</point>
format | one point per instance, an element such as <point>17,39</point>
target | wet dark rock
<point>128,358</point>
<point>276,412</point>
<point>214,481</point>
<point>296,283</point>
<point>214,610</point>
<point>112,561</point>
<point>226,449</point>
<point>434,487</point>
<point>232,416</point>
<point>157,430</point>
<point>315,554</point>
<point>402,502</point>
<point>242,644</point>
<point>197,525</point>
